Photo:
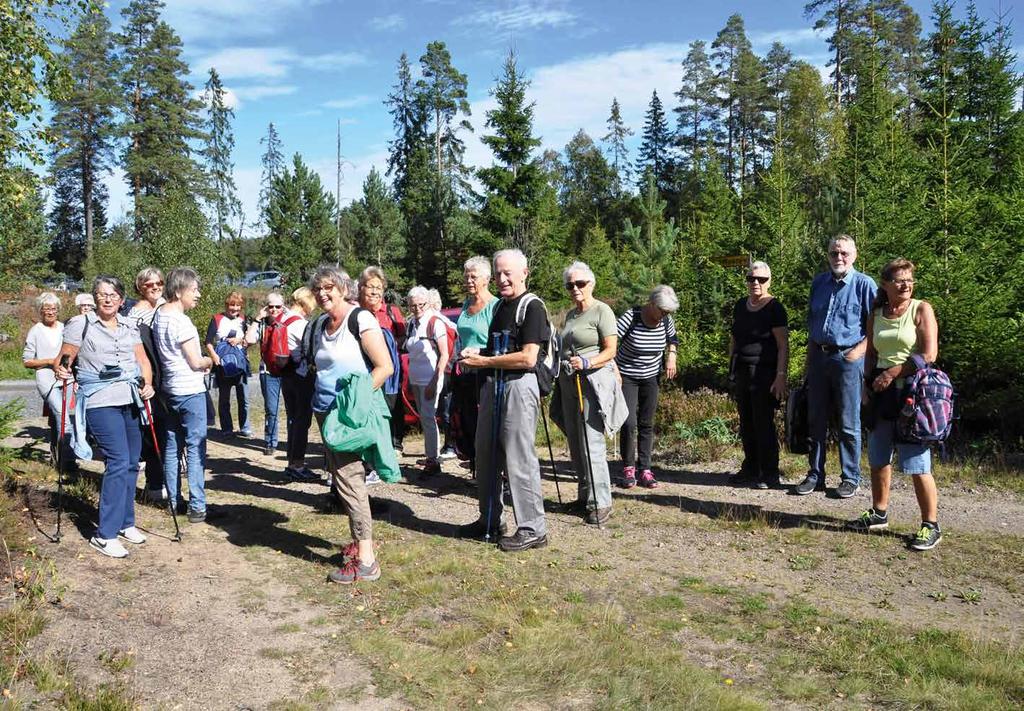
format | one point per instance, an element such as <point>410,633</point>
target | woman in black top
<point>758,360</point>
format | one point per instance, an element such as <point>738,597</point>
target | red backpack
<point>274,345</point>
<point>453,337</point>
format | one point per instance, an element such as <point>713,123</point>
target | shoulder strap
<point>632,322</point>
<point>353,324</point>
<point>290,320</point>
<point>524,303</point>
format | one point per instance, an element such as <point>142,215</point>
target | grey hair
<point>478,264</point>
<point>578,266</point>
<point>178,280</point>
<point>513,254</point>
<point>843,238</point>
<point>47,298</point>
<point>145,275</point>
<point>85,299</point>
<point>372,272</point>
<point>112,281</point>
<point>434,299</point>
<point>276,293</point>
<point>664,297</point>
<point>763,266</point>
<point>419,292</point>
<point>336,275</point>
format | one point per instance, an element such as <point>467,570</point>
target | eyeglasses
<point>106,297</point>
<point>579,284</point>
<point>417,306</point>
<point>902,282</point>
<point>839,253</point>
<point>323,288</point>
<point>153,285</point>
<point>759,279</point>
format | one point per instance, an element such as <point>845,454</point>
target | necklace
<point>894,312</point>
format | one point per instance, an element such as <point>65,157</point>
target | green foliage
<point>23,244</point>
<point>374,228</point>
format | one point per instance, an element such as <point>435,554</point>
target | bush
<point>699,426</point>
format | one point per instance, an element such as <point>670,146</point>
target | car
<point>263,280</point>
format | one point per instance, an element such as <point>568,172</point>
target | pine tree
<point>66,224</point>
<point>615,140</point>
<point>377,230</point>
<point>272,162</point>
<point>83,125</point>
<point>729,46</point>
<point>654,156</point>
<point>409,119</point>
<point>698,108</point>
<point>444,91</point>
<point>220,141</point>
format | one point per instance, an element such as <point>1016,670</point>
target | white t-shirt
<point>337,355</point>
<point>171,330</point>
<point>422,347</point>
<point>227,328</point>
<point>295,330</point>
<point>44,342</point>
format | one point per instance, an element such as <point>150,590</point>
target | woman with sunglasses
<point>589,337</point>
<point>758,361</point>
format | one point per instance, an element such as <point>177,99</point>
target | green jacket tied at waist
<point>359,423</point>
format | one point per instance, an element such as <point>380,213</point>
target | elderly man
<point>837,320</point>
<point>510,374</point>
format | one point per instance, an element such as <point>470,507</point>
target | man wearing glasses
<point>837,318</point>
<point>270,383</point>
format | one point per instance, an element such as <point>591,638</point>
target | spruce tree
<point>409,119</point>
<point>377,229</point>
<point>220,141</point>
<point>23,242</point>
<point>654,156</point>
<point>615,142</point>
<point>587,192</point>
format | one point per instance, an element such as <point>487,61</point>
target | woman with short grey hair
<point>647,339</point>
<point>42,343</point>
<point>428,350</point>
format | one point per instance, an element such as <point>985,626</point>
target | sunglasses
<point>152,284</point>
<point>759,279</point>
<point>275,306</point>
<point>579,284</point>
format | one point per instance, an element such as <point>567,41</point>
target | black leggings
<point>638,431</point>
<point>466,403</point>
<point>757,406</point>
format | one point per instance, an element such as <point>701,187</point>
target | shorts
<point>915,459</point>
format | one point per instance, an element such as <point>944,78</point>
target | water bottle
<point>908,408</point>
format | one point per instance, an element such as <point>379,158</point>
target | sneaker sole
<point>847,496</point>
<point>926,547</point>
<point>106,552</point>
<point>126,538</point>
<point>539,544</point>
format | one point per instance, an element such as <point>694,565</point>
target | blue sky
<point>306,64</point>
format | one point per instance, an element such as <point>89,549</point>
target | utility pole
<point>337,201</point>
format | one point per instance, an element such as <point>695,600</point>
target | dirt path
<point>209,625</point>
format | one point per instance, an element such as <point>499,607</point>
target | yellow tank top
<point>895,338</point>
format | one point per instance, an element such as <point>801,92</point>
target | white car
<point>264,280</point>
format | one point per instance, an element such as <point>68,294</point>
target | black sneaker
<point>927,538</point>
<point>522,540</point>
<point>478,528</point>
<point>846,489</point>
<point>742,480</point>
<point>809,485</point>
<point>869,521</point>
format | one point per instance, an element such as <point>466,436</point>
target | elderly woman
<point>182,382</point>
<point>427,345</point>
<point>229,327</point>
<point>589,336</point>
<point>42,343</point>
<point>899,328</point>
<point>297,386</point>
<point>344,349</point>
<point>647,340</point>
<point>113,377</point>
<point>149,285</point>
<point>85,303</point>
<point>473,323</point>
<point>758,361</point>
<point>372,285</point>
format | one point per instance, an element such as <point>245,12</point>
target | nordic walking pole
<point>551,452</point>
<point>496,341</point>
<point>160,458</point>
<point>61,449</point>
<point>583,436</point>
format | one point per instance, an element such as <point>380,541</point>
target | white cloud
<point>520,15</point>
<point>230,98</point>
<point>387,23</point>
<point>274,62</point>
<point>263,91</point>
<point>799,37</point>
<point>217,19</point>
<point>350,103</point>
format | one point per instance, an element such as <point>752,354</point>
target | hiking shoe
<point>196,516</point>
<point>598,517</point>
<point>523,539</point>
<point>869,521</point>
<point>628,477</point>
<point>809,485</point>
<point>247,434</point>
<point>354,570</point>
<point>763,485</point>
<point>647,479</point>
<point>846,489</point>
<point>432,466</point>
<point>927,537</point>
<point>448,453</point>
<point>301,474</point>
<point>372,478</point>
<point>742,480</point>
<point>269,451</point>
<point>132,535</point>
<point>109,547</point>
<point>478,528</point>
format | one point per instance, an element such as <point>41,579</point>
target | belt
<point>829,348</point>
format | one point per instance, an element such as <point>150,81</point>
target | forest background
<point>914,145</point>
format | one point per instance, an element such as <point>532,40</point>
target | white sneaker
<point>448,453</point>
<point>109,547</point>
<point>372,478</point>
<point>132,535</point>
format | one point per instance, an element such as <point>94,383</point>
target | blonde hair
<point>304,298</point>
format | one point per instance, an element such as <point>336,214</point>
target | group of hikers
<point>136,375</point>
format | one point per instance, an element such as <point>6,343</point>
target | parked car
<point>264,280</point>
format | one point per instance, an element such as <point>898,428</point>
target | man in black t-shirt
<point>514,451</point>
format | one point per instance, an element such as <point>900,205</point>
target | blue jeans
<point>915,458</point>
<point>240,384</point>
<point>186,426</point>
<point>270,386</point>
<point>117,433</point>
<point>834,385</point>
<point>298,396</point>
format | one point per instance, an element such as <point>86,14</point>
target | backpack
<point>274,344</point>
<point>548,365</point>
<point>636,318</point>
<point>927,413</point>
<point>232,359</point>
<point>797,428</point>
<point>399,340</point>
<point>149,345</point>
<point>453,338</point>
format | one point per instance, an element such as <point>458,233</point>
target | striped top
<point>642,351</point>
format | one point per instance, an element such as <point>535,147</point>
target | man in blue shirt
<point>837,319</point>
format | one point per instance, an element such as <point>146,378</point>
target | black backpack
<point>548,364</point>
<point>797,429</point>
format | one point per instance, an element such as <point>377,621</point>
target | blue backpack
<point>232,359</point>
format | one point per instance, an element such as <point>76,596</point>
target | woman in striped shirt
<point>647,337</point>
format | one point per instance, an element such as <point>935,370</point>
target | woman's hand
<point>883,381</point>
<point>576,363</point>
<point>147,391</point>
<point>62,372</point>
<point>778,387</point>
<point>235,342</point>
<point>670,366</point>
<point>471,358</point>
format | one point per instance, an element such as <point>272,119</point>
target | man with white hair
<point>515,429</point>
<point>837,319</point>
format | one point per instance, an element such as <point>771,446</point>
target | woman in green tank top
<point>898,327</point>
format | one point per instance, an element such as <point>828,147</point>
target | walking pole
<point>551,452</point>
<point>61,449</point>
<point>497,349</point>
<point>583,436</point>
<point>160,458</point>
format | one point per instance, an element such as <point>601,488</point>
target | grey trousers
<point>515,453</point>
<point>349,479</point>
<point>594,432</point>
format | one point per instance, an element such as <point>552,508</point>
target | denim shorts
<point>914,458</point>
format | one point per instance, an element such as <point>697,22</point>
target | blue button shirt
<point>839,308</point>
